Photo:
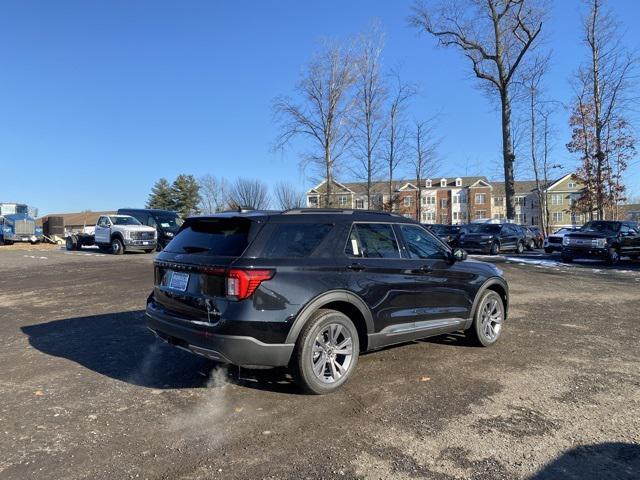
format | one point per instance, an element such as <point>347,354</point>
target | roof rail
<point>340,211</point>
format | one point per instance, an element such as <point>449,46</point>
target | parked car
<point>492,238</point>
<point>553,243</point>
<point>602,239</point>
<point>538,237</point>
<point>166,222</point>
<point>117,234</point>
<point>529,237</point>
<point>447,233</point>
<point>312,289</point>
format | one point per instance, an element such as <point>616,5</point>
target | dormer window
<point>443,182</point>
<point>458,182</point>
<point>427,183</point>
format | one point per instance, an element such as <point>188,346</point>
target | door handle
<point>356,267</point>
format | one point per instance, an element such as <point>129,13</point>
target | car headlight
<point>127,234</point>
<point>169,234</point>
<point>565,240</point>
<point>601,242</point>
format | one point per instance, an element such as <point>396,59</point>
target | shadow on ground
<point>119,346</point>
<point>602,461</point>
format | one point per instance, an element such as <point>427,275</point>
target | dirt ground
<point>86,392</point>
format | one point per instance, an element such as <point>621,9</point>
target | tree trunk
<point>327,161</point>
<point>507,152</point>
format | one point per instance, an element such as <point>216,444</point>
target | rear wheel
<point>520,247</point>
<point>71,243</point>
<point>326,352</point>
<point>117,248</point>
<point>495,248</point>
<point>531,245</point>
<point>488,320</point>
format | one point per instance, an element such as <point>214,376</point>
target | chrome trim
<point>424,325</point>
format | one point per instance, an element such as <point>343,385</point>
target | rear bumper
<point>232,349</point>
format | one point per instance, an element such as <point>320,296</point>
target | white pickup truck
<point>117,234</point>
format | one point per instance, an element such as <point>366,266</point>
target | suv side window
<point>420,244</point>
<point>151,222</point>
<point>372,240</point>
<point>295,240</point>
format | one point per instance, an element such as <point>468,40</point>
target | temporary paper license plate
<point>179,281</point>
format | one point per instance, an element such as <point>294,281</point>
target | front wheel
<point>117,248</point>
<point>613,256</point>
<point>488,320</point>
<point>326,352</point>
<point>531,245</point>
<point>495,248</point>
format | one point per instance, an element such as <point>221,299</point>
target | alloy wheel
<point>332,353</point>
<point>491,319</point>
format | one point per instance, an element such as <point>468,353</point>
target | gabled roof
<point>322,188</point>
<point>522,187</point>
<point>555,183</point>
<point>408,186</point>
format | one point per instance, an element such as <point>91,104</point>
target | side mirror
<point>459,255</point>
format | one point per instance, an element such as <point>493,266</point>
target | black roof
<point>148,210</point>
<point>314,214</point>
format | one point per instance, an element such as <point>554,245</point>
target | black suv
<point>602,239</point>
<point>492,238</point>
<point>447,233</point>
<point>166,222</point>
<point>312,289</point>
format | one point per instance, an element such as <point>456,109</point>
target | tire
<point>548,250</point>
<point>519,247</point>
<point>495,248</point>
<point>488,320</point>
<point>71,243</point>
<point>613,256</point>
<point>567,258</point>
<point>103,249</point>
<point>327,379</point>
<point>531,245</point>
<point>117,248</point>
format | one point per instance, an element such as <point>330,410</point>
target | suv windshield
<point>601,227</point>
<point>169,222</point>
<point>221,237</point>
<point>483,228</point>
<point>125,220</point>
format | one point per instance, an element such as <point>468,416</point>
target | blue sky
<point>100,99</point>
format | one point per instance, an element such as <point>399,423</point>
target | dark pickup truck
<point>602,239</point>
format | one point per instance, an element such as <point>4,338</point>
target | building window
<point>443,182</point>
<point>360,203</point>
<point>444,203</point>
<point>427,184</point>
<point>455,199</point>
<point>456,215</point>
<point>521,218</point>
<point>458,182</point>
<point>407,201</point>
<point>431,200</point>
<point>480,198</point>
<point>481,214</point>
<point>313,201</point>
<point>431,216</point>
<point>424,200</point>
<point>463,215</point>
<point>556,199</point>
<point>557,217</point>
<point>496,216</point>
<point>521,201</point>
<point>498,201</point>
<point>343,200</point>
<point>572,185</point>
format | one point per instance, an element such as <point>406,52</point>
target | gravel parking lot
<point>87,391</point>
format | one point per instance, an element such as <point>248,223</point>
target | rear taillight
<point>242,283</point>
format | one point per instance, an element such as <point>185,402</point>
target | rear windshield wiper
<point>189,249</point>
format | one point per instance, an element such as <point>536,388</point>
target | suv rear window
<point>295,240</point>
<point>221,237</point>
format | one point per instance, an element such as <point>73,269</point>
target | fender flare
<point>117,235</point>
<point>488,283</point>
<point>324,299</point>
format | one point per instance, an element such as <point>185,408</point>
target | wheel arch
<point>499,286</point>
<point>117,235</point>
<point>342,301</point>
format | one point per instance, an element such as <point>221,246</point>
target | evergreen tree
<point>185,192</point>
<point>161,195</point>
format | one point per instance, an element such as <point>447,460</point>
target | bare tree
<point>423,156</point>
<point>249,193</point>
<point>287,196</point>
<point>214,194</point>
<point>495,35</point>
<point>396,133</point>
<point>322,113</point>
<point>368,114</point>
<point>600,132</point>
